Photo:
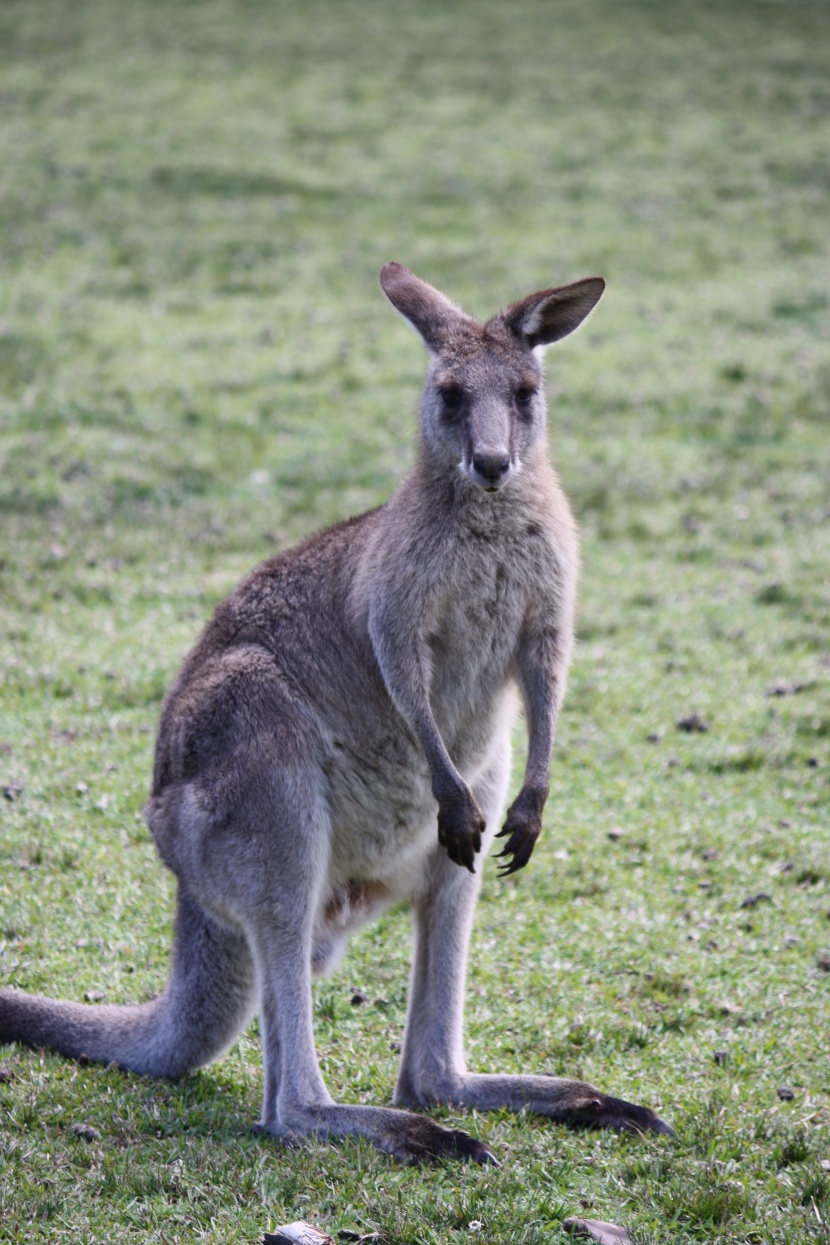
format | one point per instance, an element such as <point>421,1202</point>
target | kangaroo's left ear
<point>548,315</point>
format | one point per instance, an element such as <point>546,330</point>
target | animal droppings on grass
<point>752,901</point>
<point>692,723</point>
<point>786,689</point>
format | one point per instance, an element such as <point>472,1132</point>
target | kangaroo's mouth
<point>489,483</point>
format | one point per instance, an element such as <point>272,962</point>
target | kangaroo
<point>339,740</point>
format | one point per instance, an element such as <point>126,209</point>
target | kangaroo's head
<point>483,407</point>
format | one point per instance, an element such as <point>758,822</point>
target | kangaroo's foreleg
<point>542,667</point>
<point>460,823</point>
<point>433,1068</point>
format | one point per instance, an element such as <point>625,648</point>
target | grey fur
<point>345,694</point>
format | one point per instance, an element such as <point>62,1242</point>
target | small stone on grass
<point>297,1233</point>
<point>596,1230</point>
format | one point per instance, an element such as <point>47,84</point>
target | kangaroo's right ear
<point>427,310</point>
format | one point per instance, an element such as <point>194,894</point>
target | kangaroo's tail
<point>207,1002</point>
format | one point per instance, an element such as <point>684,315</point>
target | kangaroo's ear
<point>544,317</point>
<point>427,310</point>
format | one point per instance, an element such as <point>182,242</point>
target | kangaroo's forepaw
<point>521,828</point>
<point>460,827</point>
<point>619,1115</point>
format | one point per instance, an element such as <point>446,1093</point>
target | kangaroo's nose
<point>491,468</point>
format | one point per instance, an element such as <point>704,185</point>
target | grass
<point>196,368</point>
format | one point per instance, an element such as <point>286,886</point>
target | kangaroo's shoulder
<point>273,635</point>
<point>284,603</point>
<point>293,586</point>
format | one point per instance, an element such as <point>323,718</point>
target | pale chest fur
<point>473,619</point>
<point>465,610</point>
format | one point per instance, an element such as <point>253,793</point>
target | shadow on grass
<point>203,179</point>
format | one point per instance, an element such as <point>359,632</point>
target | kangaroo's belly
<point>381,808</point>
<point>382,812</point>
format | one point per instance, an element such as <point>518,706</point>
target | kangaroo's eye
<point>452,397</point>
<point>525,395</point>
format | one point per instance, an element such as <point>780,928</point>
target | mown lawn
<point>197,368</point>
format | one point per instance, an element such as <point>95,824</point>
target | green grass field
<point>197,368</point>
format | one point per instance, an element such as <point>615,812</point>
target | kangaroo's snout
<point>490,469</point>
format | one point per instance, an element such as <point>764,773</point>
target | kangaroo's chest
<point>474,631</point>
<point>472,617</point>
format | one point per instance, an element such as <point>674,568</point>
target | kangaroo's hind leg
<point>432,1063</point>
<point>276,879</point>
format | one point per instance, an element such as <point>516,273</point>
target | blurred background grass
<point>197,368</point>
